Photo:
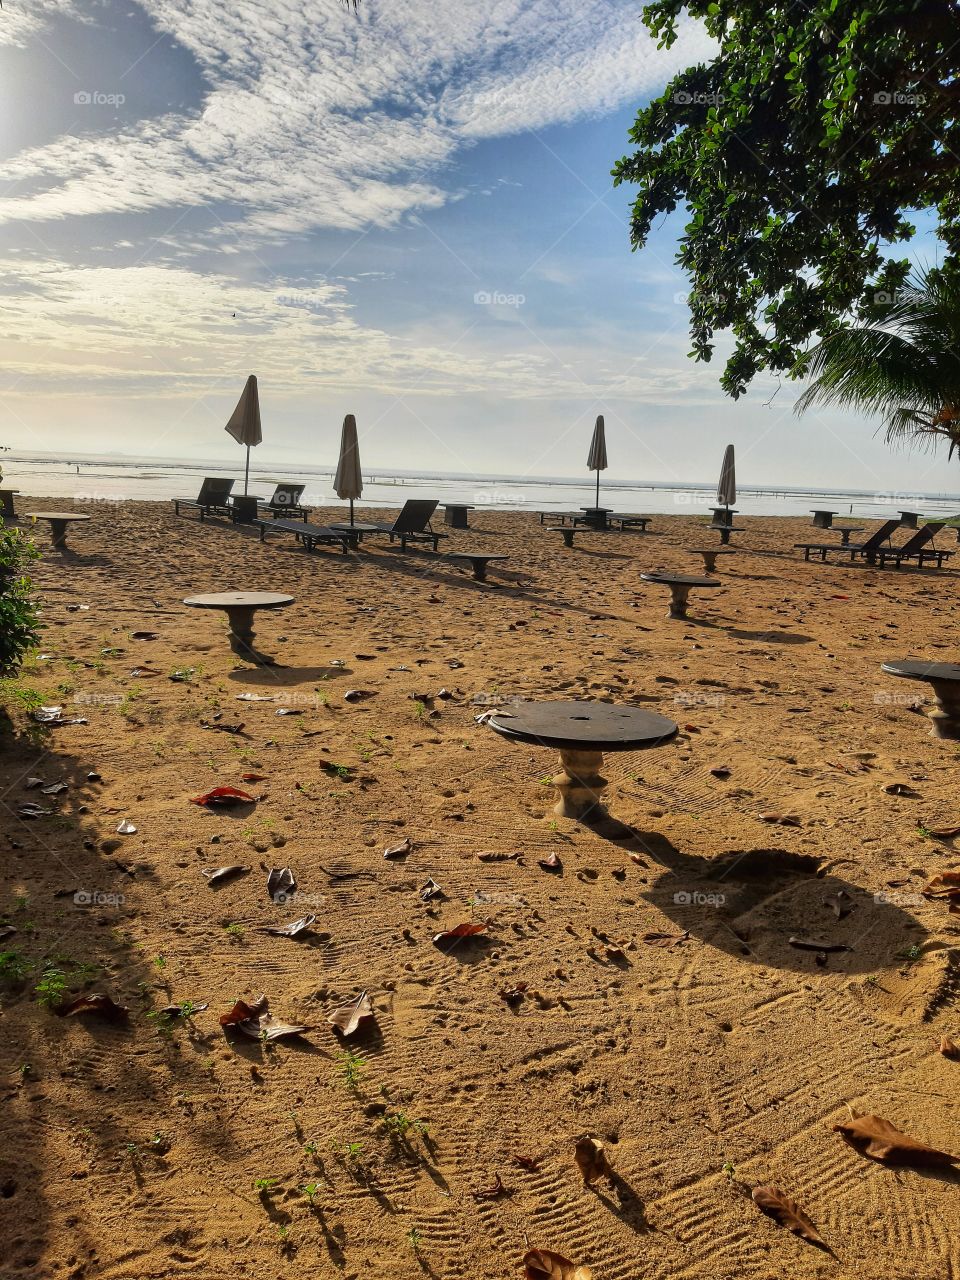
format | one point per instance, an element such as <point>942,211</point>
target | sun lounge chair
<point>916,548</point>
<point>286,502</point>
<point>309,534</point>
<point>562,516</point>
<point>628,521</point>
<point>866,549</point>
<point>213,497</point>
<point>413,524</point>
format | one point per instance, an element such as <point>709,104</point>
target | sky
<point>405,214</point>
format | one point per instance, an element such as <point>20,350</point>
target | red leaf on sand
<point>530,1163</point>
<point>350,1017</point>
<point>255,1021</point>
<point>95,1002</point>
<point>252,777</point>
<point>772,1201</point>
<point>490,1193</point>
<point>458,931</point>
<point>223,797</point>
<point>878,1138</point>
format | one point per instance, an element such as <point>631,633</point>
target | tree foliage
<point>904,367</point>
<point>799,152</point>
<point>19,617</point>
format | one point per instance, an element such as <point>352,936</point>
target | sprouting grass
<point>14,967</point>
<point>351,1068</point>
<point>234,932</point>
<point>51,988</point>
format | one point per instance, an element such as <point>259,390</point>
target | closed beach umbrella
<point>727,488</point>
<point>244,425</point>
<point>597,457</point>
<point>348,482</point>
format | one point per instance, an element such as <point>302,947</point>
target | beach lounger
<point>917,548</point>
<point>866,549</point>
<point>413,524</point>
<point>286,502</point>
<point>562,516</point>
<point>628,521</point>
<point>213,497</point>
<point>309,534</point>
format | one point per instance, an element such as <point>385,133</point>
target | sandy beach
<point>708,1060</point>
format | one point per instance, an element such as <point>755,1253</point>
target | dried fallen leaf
<point>143,635</point>
<point>492,1192</point>
<point>665,939</point>
<point>280,884</point>
<point>126,828</point>
<point>773,1202</point>
<point>254,1020</point>
<point>550,863</point>
<point>812,944</point>
<point>949,1048</point>
<point>32,810</point>
<point>430,890</point>
<point>223,798</point>
<point>514,994</point>
<point>841,904</point>
<point>901,789</point>
<point>720,771</point>
<point>350,1017</point>
<point>530,1163</point>
<point>54,789</point>
<point>252,777</point>
<point>591,1160</point>
<point>95,1002</point>
<point>292,929</point>
<point>880,1140</point>
<point>490,855</point>
<point>256,697</point>
<point>399,850</point>
<point>544,1264</point>
<point>457,932</point>
<point>942,833</point>
<point>945,885</point>
<point>215,874</point>
<point>781,819</point>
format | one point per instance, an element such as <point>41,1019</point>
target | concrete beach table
<point>356,530</point>
<point>680,585</point>
<point>243,507</point>
<point>478,561</point>
<point>944,679</point>
<point>582,732</point>
<point>455,515</point>
<point>823,519</point>
<point>58,524</point>
<point>909,519</point>
<point>710,555</point>
<point>595,517</point>
<point>240,608</point>
<point>725,531</point>
<point>723,515</point>
<point>7,509</point>
<point>845,530</point>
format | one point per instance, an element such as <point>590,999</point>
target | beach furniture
<point>455,515</point>
<point>710,555</point>
<point>867,549</point>
<point>59,520</point>
<point>725,531</point>
<point>916,548</point>
<point>595,517</point>
<point>626,521</point>
<point>7,509</point>
<point>213,498</point>
<point>240,608</point>
<point>286,502</point>
<point>581,732</point>
<point>565,530</point>
<point>478,561</point>
<point>413,524</point>
<point>724,515</point>
<point>944,680</point>
<point>311,535</point>
<point>823,519</point>
<point>355,531</point>
<point>680,584</point>
<point>909,519</point>
<point>561,516</point>
<point>845,531</point>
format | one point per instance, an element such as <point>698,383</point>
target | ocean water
<point>107,478</point>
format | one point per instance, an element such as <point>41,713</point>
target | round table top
<point>346,527</point>
<point>476,555</point>
<point>849,528</point>
<point>681,579</point>
<point>917,669</point>
<point>822,511</point>
<point>458,506</point>
<point>4,490</point>
<point>240,600</point>
<point>600,726</point>
<point>54,515</point>
<point>712,551</point>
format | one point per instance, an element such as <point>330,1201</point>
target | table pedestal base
<point>58,534</point>
<point>946,718</point>
<point>710,560</point>
<point>240,635</point>
<point>724,536</point>
<point>580,786</point>
<point>678,600</point>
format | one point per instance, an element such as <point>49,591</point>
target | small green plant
<point>310,1189</point>
<point>414,1239</point>
<point>263,1185</point>
<point>910,954</point>
<point>311,1148</point>
<point>24,1070</point>
<point>234,932</point>
<point>401,1127</point>
<point>728,1169</point>
<point>871,979</point>
<point>51,988</point>
<point>922,830</point>
<point>19,614</point>
<point>14,967</point>
<point>420,709</point>
<point>351,1068</point>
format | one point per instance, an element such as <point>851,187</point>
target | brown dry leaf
<point>635,857</point>
<point>492,856</point>
<point>530,1163</point>
<point>945,885</point>
<point>551,863</point>
<point>350,1017</point>
<point>841,904</point>
<point>280,884</point>
<point>780,819</point>
<point>255,1021</point>
<point>215,874</point>
<point>458,931</point>
<point>901,789</point>
<point>812,944</point>
<point>943,833</point>
<point>591,1161</point>
<point>95,1002</point>
<point>291,930</point>
<point>665,939</point>
<point>544,1264</point>
<point>880,1140</point>
<point>399,850</point>
<point>492,1192</point>
<point>772,1201</point>
<point>949,1048</point>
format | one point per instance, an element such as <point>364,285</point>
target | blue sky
<point>407,216</point>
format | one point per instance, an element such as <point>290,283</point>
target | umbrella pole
<point>246,474</point>
<point>597,503</point>
<point>351,511</point>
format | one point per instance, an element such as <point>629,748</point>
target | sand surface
<point>706,1067</point>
